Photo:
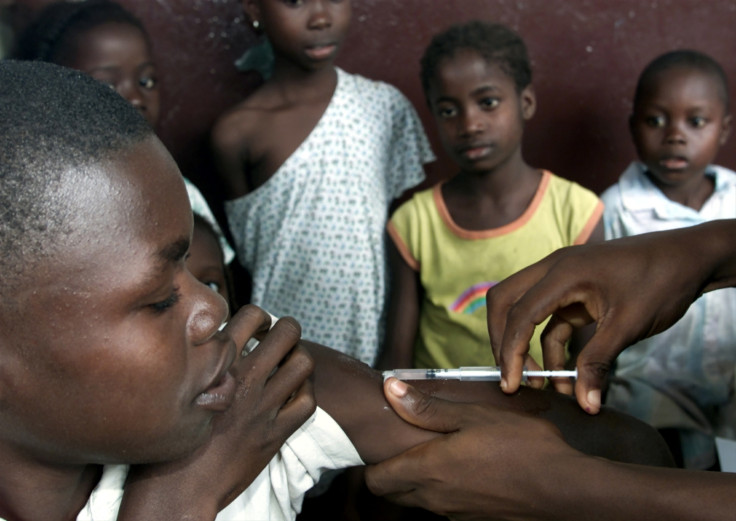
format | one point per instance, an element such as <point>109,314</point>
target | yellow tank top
<point>458,266</point>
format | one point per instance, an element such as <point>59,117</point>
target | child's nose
<point>674,133</point>
<point>209,311</point>
<point>319,16</point>
<point>129,90</point>
<point>472,122</point>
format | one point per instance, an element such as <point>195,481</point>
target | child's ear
<point>632,131</point>
<point>528,100</point>
<point>253,11</point>
<point>725,129</point>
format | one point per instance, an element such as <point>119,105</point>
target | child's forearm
<point>352,393</point>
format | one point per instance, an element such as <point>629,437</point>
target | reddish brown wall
<point>586,56</point>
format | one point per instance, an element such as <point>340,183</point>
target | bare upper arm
<point>229,142</point>
<point>598,233</point>
<point>403,312</point>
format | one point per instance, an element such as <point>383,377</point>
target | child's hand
<point>267,410</point>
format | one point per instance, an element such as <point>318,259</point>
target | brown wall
<point>586,55</point>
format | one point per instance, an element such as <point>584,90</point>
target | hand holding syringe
<point>477,374</point>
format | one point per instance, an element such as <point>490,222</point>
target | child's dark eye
<point>446,112</point>
<point>169,302</point>
<point>698,122</point>
<point>489,103</point>
<point>148,82</point>
<point>654,121</point>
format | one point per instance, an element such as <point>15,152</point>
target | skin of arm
<point>504,465</point>
<point>402,322</point>
<point>631,288</point>
<point>352,393</point>
<point>230,154</point>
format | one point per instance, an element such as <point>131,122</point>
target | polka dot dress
<point>313,235</point>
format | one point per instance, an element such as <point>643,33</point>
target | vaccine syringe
<point>477,374</point>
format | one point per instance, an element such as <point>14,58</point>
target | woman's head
<point>101,38</point>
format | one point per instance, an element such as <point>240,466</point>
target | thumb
<point>419,409</point>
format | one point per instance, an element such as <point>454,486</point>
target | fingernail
<point>398,388</point>
<point>594,399</point>
<point>504,384</point>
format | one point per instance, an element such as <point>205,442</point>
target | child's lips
<point>220,395</point>
<point>476,152</point>
<point>322,51</point>
<point>673,163</point>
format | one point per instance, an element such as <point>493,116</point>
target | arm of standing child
<point>631,288</point>
<point>402,322</point>
<point>230,153</point>
<point>275,398</point>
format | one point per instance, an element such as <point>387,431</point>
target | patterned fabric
<point>312,237</point>
<point>457,266</point>
<point>201,208</point>
<point>683,377</point>
<point>275,495</point>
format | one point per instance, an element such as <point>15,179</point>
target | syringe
<point>492,374</point>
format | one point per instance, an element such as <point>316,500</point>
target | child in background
<point>206,261</point>
<point>311,162</point>
<point>108,42</point>
<point>451,243</point>
<point>681,380</point>
<point>111,352</point>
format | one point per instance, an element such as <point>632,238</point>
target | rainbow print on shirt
<point>472,298</point>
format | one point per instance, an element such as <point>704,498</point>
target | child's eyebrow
<point>175,251</point>
<point>484,89</point>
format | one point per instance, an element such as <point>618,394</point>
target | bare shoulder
<point>235,127</point>
<point>236,138</point>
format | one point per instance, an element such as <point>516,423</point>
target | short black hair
<point>688,59</point>
<point>497,44</point>
<point>54,122</point>
<point>50,36</point>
